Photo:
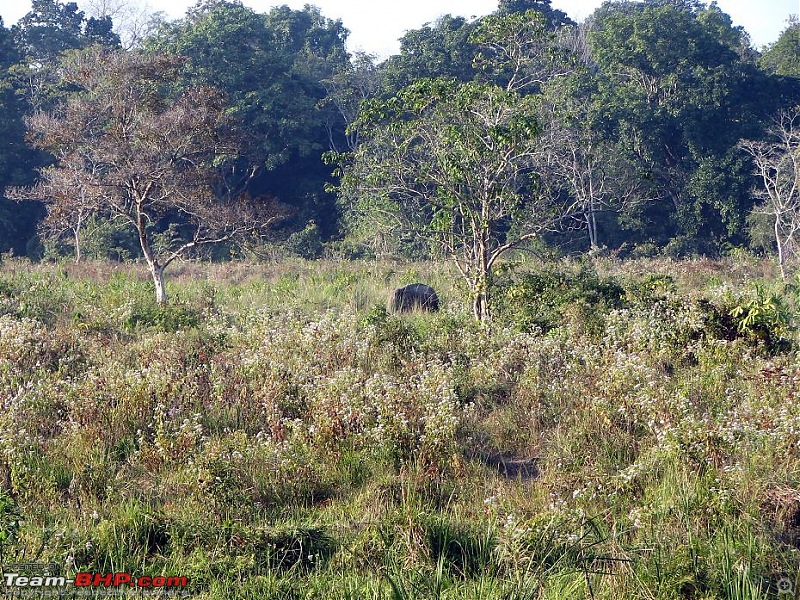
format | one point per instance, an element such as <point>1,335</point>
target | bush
<point>168,318</point>
<point>306,243</point>
<point>109,239</point>
<point>541,300</point>
<point>764,318</point>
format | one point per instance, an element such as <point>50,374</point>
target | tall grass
<point>618,432</point>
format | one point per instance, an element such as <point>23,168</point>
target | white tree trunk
<point>158,281</point>
<point>77,234</point>
<point>781,256</point>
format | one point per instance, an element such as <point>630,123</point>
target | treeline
<point>637,116</point>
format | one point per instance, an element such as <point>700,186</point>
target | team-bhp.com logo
<point>39,577</point>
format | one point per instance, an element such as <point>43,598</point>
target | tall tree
<point>133,21</point>
<point>346,91</point>
<point>777,164</point>
<point>16,158</point>
<point>139,152</point>
<point>520,52</point>
<point>554,18</point>
<point>271,67</point>
<point>576,159</point>
<point>52,27</point>
<point>783,57</point>
<point>677,93</point>
<point>439,49</point>
<point>458,162</point>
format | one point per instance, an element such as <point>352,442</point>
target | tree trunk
<point>483,278</point>
<point>480,306</point>
<point>157,272</point>
<point>593,226</point>
<point>77,233</point>
<point>156,269</point>
<point>781,257</point>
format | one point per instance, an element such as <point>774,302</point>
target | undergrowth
<point>274,433</point>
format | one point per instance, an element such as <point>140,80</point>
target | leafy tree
<point>677,93</point>
<point>139,152</point>
<point>272,68</point>
<point>51,27</point>
<point>346,90</point>
<point>519,51</point>
<point>16,158</point>
<point>456,162</point>
<point>555,18</point>
<point>516,50</point>
<point>440,49</point>
<point>783,57</point>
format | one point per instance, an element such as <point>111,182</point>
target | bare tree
<point>133,21</point>
<point>346,91</point>
<point>777,164</point>
<point>69,201</point>
<point>576,161</point>
<point>134,147</point>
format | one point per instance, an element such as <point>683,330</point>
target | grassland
<point>621,430</point>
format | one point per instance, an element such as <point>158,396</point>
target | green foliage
<point>783,57</point>
<point>10,520</point>
<point>453,165</point>
<point>306,243</point>
<point>51,27</point>
<point>17,223</point>
<point>109,239</point>
<point>541,301</point>
<point>466,552</point>
<point>555,18</point>
<point>679,138</point>
<point>162,317</point>
<point>441,49</point>
<point>271,67</point>
<point>765,318</point>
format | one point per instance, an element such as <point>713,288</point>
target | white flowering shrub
<point>428,447</point>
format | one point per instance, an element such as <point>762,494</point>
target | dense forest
<point>639,131</point>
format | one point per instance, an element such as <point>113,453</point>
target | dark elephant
<point>416,296</point>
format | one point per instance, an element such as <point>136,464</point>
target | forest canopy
<point>640,113</point>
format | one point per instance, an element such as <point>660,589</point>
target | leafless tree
<point>777,164</point>
<point>68,198</point>
<point>576,162</point>
<point>133,21</point>
<point>130,144</point>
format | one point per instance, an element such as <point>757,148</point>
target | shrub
<point>541,300</point>
<point>306,243</point>
<point>10,519</point>
<point>168,317</point>
<point>764,318</point>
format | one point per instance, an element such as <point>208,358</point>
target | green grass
<point>620,431</point>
